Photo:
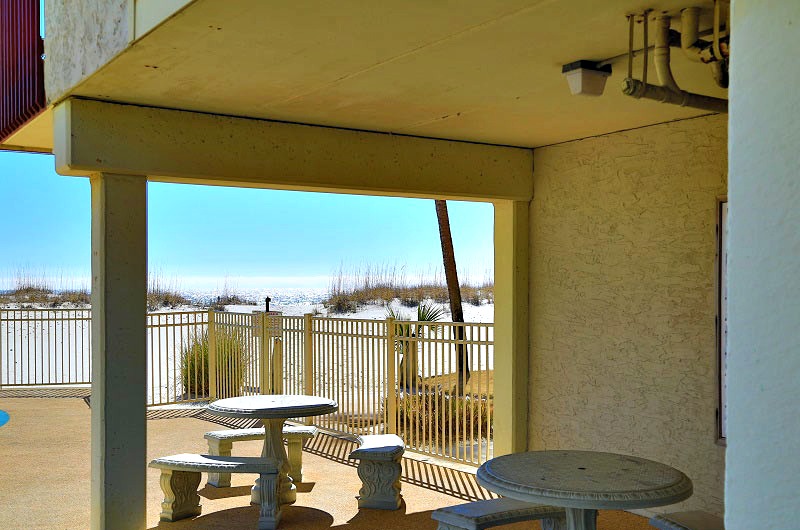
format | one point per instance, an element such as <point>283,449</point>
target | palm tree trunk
<point>454,292</point>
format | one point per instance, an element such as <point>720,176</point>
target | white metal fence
<point>386,375</point>
<point>176,343</point>
<point>45,347</point>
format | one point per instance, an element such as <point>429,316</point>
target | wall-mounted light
<point>586,78</point>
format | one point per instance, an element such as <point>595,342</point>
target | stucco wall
<point>80,37</point>
<point>623,344</point>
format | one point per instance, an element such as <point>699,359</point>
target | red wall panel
<point>21,64</point>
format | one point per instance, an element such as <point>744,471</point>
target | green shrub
<point>339,304</point>
<point>231,360</point>
<point>450,417</point>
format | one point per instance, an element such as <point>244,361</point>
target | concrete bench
<point>379,469</point>
<point>495,512</point>
<point>687,521</point>
<point>180,477</point>
<point>221,443</point>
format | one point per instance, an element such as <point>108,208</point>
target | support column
<point>119,364</point>
<point>762,471</point>
<point>511,324</point>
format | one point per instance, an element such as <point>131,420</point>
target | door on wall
<point>722,331</point>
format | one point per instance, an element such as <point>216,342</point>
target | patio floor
<point>44,472</point>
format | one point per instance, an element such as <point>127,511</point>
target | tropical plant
<point>405,334</point>
<point>232,357</point>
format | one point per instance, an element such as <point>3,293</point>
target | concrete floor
<point>44,478</point>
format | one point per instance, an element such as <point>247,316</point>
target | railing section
<point>445,386</point>
<point>403,377</point>
<point>291,331</point>
<point>45,347</point>
<point>177,353</point>
<point>349,365</point>
<point>243,346</point>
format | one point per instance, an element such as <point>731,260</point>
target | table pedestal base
<point>274,450</point>
<point>580,519</point>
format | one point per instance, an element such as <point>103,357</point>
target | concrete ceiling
<point>461,69</point>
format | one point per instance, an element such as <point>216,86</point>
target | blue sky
<point>201,235</point>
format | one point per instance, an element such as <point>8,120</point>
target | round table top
<point>272,406</point>
<point>584,479</point>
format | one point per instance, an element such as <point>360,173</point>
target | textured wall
<point>623,354</point>
<point>82,36</point>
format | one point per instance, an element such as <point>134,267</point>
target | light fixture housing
<point>586,78</point>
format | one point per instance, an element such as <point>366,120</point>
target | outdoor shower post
<point>391,378</point>
<point>264,358</point>
<point>277,366</point>
<point>308,358</point>
<point>212,356</point>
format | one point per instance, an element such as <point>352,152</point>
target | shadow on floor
<point>212,493</point>
<point>305,518</point>
<point>439,478</point>
<point>80,392</point>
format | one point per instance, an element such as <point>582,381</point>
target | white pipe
<point>717,49</point>
<point>661,54</point>
<point>690,23</point>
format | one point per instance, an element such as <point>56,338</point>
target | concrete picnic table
<point>273,410</point>
<point>583,482</point>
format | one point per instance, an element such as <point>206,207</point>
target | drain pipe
<point>669,92</point>
<point>690,43</point>
<point>701,51</point>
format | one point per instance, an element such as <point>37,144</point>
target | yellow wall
<point>623,303</point>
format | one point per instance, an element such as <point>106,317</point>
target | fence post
<point>264,372</point>
<point>308,358</point>
<point>212,355</point>
<point>391,377</point>
<point>277,366</point>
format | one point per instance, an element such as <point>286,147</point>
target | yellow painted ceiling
<point>478,70</point>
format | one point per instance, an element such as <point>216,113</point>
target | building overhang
<point>489,72</point>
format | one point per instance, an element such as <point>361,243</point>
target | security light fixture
<point>586,78</point>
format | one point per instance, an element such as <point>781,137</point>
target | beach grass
<point>231,361</point>
<point>350,289</point>
<point>163,295</point>
<point>30,289</point>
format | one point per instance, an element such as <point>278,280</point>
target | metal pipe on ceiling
<point>668,91</point>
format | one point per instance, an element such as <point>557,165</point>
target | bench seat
<point>221,443</point>
<point>496,512</point>
<point>204,463</point>
<point>687,521</point>
<point>379,469</point>
<point>180,477</point>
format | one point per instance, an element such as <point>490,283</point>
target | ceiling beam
<point>177,146</point>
